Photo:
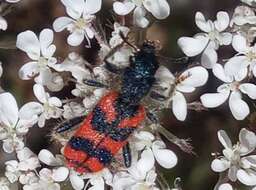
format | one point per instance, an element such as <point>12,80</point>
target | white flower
<point>49,107</point>
<point>28,178</point>
<point>134,179</point>
<point>246,57</point>
<point>176,86</point>
<point>13,123</point>
<point>80,24</point>
<point>209,41</point>
<point>232,89</point>
<point>4,184</point>
<point>243,15</point>
<point>49,159</point>
<point>27,161</point>
<point>152,150</point>
<point>12,171</point>
<point>3,23</point>
<point>240,166</point>
<point>160,9</point>
<point>75,64</point>
<point>49,179</point>
<point>41,52</point>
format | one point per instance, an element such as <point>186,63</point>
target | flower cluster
<point>238,159</point>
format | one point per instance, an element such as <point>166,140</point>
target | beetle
<point>107,128</point>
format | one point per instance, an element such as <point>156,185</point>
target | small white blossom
<point>174,87</point>
<point>134,179</point>
<point>75,64</point>
<point>160,9</point>
<point>41,52</point>
<point>208,42</point>
<point>49,159</point>
<point>12,171</point>
<point>80,24</point>
<point>14,124</point>
<point>27,161</point>
<point>49,107</point>
<point>232,89</point>
<point>246,57</point>
<point>152,150</point>
<point>49,179</point>
<point>236,159</point>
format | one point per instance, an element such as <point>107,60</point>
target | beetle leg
<point>69,124</point>
<point>127,155</point>
<point>94,83</point>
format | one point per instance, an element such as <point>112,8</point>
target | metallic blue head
<point>139,77</point>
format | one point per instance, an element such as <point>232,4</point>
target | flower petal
<point>219,165</point>
<point>249,89</point>
<point>238,107</point>
<point>8,109</point>
<point>246,177</point>
<point>76,182</point>
<point>40,93</point>
<point>28,42</point>
<point>166,158</point>
<point>60,174</point>
<point>235,65</point>
<point>239,43</point>
<point>46,39</point>
<point>219,72</point>
<point>195,76</point>
<point>92,6</point>
<point>193,46</point>
<point>61,23</point>
<point>179,106</point>
<point>213,100</point>
<point>47,158</point>
<point>30,110</point>
<point>225,186</point>
<point>54,101</point>
<point>209,58</point>
<point>74,8</point>
<point>28,70</point>
<point>146,162</point>
<point>75,38</point>
<point>224,139</point>
<point>139,17</point>
<point>201,22</point>
<point>222,21</point>
<point>247,141</point>
<point>123,8</point>
<point>159,8</point>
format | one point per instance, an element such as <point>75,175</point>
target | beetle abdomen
<point>103,133</point>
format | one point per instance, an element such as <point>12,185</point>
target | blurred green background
<point>201,127</point>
